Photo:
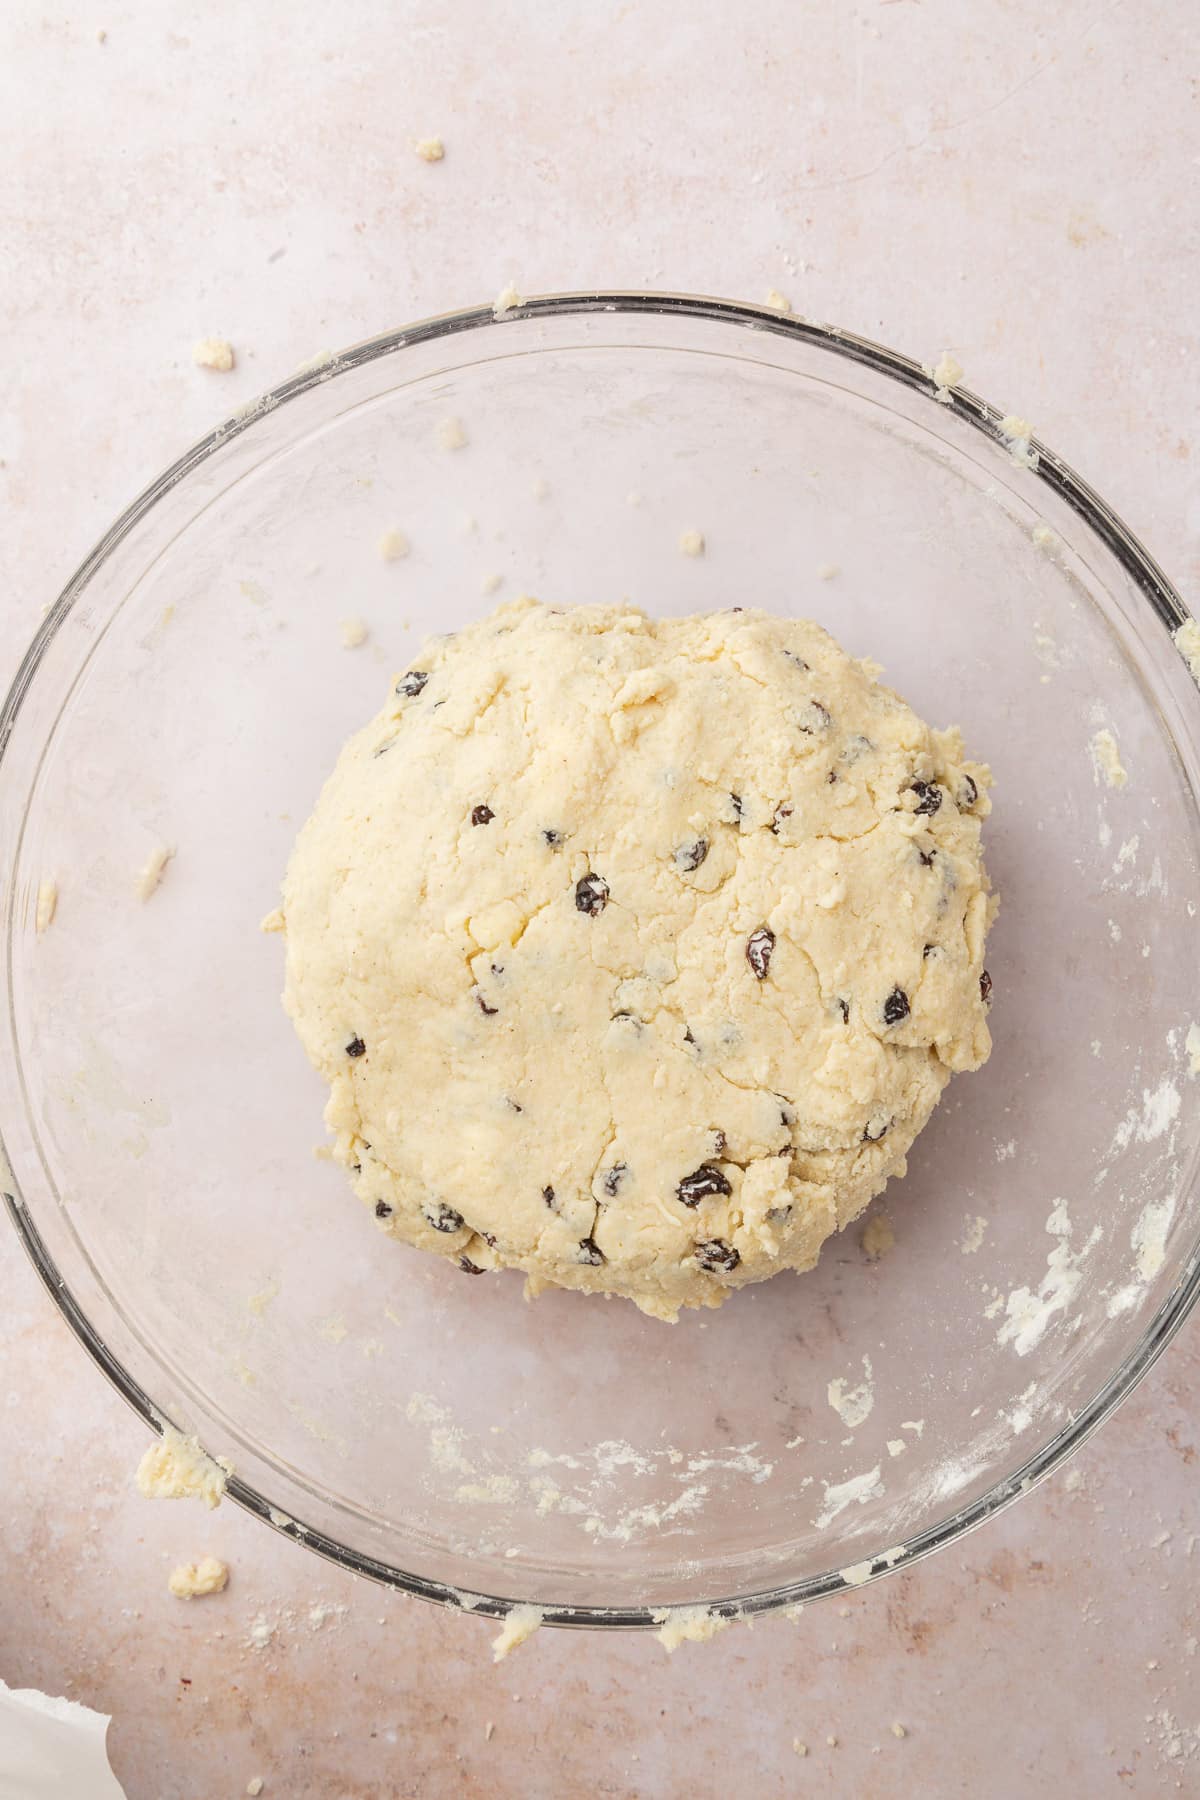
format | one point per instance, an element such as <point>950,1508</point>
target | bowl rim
<point>1045,466</point>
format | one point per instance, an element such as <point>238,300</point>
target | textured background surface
<point>1015,190</point>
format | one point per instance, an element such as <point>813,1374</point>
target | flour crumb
<point>506,301</point>
<point>1188,640</point>
<point>800,1747</point>
<point>687,1625</point>
<point>917,1425</point>
<point>973,1234</point>
<point>258,1303</point>
<point>490,583</point>
<point>1106,759</point>
<point>261,1633</point>
<point>896,1446</point>
<point>778,302</point>
<point>430,149</point>
<point>832,1741</point>
<point>1073,1480</point>
<point>827,570</point>
<point>213,353</point>
<point>176,1468</point>
<point>1192,1045</point>
<point>393,545</point>
<point>354,633</point>
<point>47,905</point>
<point>152,870</point>
<point>519,1625</point>
<point>320,1612</point>
<point>947,372</point>
<point>1016,433</point>
<point>539,487</point>
<point>450,434</point>
<point>1045,539</point>
<point>899,1730</point>
<point>254,1787</point>
<point>855,1492</point>
<point>691,542</point>
<point>190,1580</point>
<point>853,1404</point>
<point>878,1238</point>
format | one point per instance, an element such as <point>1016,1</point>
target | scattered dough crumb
<point>450,434</point>
<point>947,372</point>
<point>393,545</point>
<point>856,1574</point>
<point>519,1624</point>
<point>691,543</point>
<point>190,1580</point>
<point>258,1303</point>
<point>312,363</point>
<point>1016,433</point>
<point>506,301</point>
<point>799,1747</point>
<point>973,1235</point>
<point>1107,759</point>
<point>488,1729</point>
<point>254,1787</point>
<point>1188,640</point>
<point>153,870</point>
<point>1044,538</point>
<point>176,1468</point>
<point>1192,1045</point>
<point>898,1730</point>
<point>878,1237</point>
<point>47,903</point>
<point>778,302</point>
<point>274,921</point>
<point>490,583</point>
<point>354,633</point>
<point>827,571</point>
<point>261,1633</point>
<point>831,1741</point>
<point>539,487</point>
<point>213,353</point>
<point>430,149</point>
<point>687,1625</point>
<point>896,1446</point>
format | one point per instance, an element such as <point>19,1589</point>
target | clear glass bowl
<point>189,688</point>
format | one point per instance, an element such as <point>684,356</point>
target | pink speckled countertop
<point>1014,191</point>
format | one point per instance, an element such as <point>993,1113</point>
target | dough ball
<point>636,952</point>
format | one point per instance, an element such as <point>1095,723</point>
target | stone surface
<point>1015,194</point>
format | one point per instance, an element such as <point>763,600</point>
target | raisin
<point>831,778</point>
<point>926,856</point>
<point>497,968</point>
<point>482,815</point>
<point>818,718</point>
<point>468,1267</point>
<point>719,1143</point>
<point>735,800</point>
<point>928,951</point>
<point>410,685</point>
<point>489,1237</point>
<point>690,856</point>
<point>687,1035</point>
<point>444,1219</point>
<point>929,796</point>
<point>382,1210</point>
<point>717,1254</point>
<point>591,894</point>
<point>356,1047</point>
<point>701,1184</point>
<point>548,1195</point>
<point>613,1179</point>
<point>590,1252</point>
<point>777,1214</point>
<point>627,1018</point>
<point>514,1104</point>
<point>781,813</point>
<point>881,1130</point>
<point>985,987</point>
<point>760,947</point>
<point>483,1006</point>
<point>968,793</point>
<point>553,838</point>
<point>797,660</point>
<point>843,1007</point>
<point>895,1007</point>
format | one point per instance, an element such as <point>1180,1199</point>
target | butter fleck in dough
<point>190,1580</point>
<point>637,952</point>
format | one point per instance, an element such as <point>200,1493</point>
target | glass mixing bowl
<point>190,689</point>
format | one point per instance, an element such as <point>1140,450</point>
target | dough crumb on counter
<point>1107,759</point>
<point>189,1580</point>
<point>688,1625</point>
<point>1192,1046</point>
<point>451,435</point>
<point>1045,539</point>
<point>213,353</point>
<point>691,542</point>
<point>274,921</point>
<point>46,906</point>
<point>946,374</point>
<point>490,583</point>
<point>800,1747</point>
<point>827,570</point>
<point>778,302</point>
<point>354,633</point>
<point>506,301</point>
<point>519,1625</point>
<point>430,149</point>
<point>1016,433</point>
<point>878,1237</point>
<point>176,1468</point>
<point>973,1235</point>
<point>393,546</point>
<point>254,1787</point>
<point>899,1730</point>
<point>1188,640</point>
<point>153,870</point>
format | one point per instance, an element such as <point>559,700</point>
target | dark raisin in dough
<point>717,1254</point>
<point>482,815</point>
<point>356,1047</point>
<point>985,987</point>
<point>410,685</point>
<point>590,1252</point>
<point>760,948</point>
<point>382,1210</point>
<point>895,1007</point>
<point>701,1184</point>
<point>444,1218</point>
<point>929,796</point>
<point>591,894</point>
<point>614,1178</point>
<point>690,856</point>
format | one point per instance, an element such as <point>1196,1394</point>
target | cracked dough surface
<point>636,952</point>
